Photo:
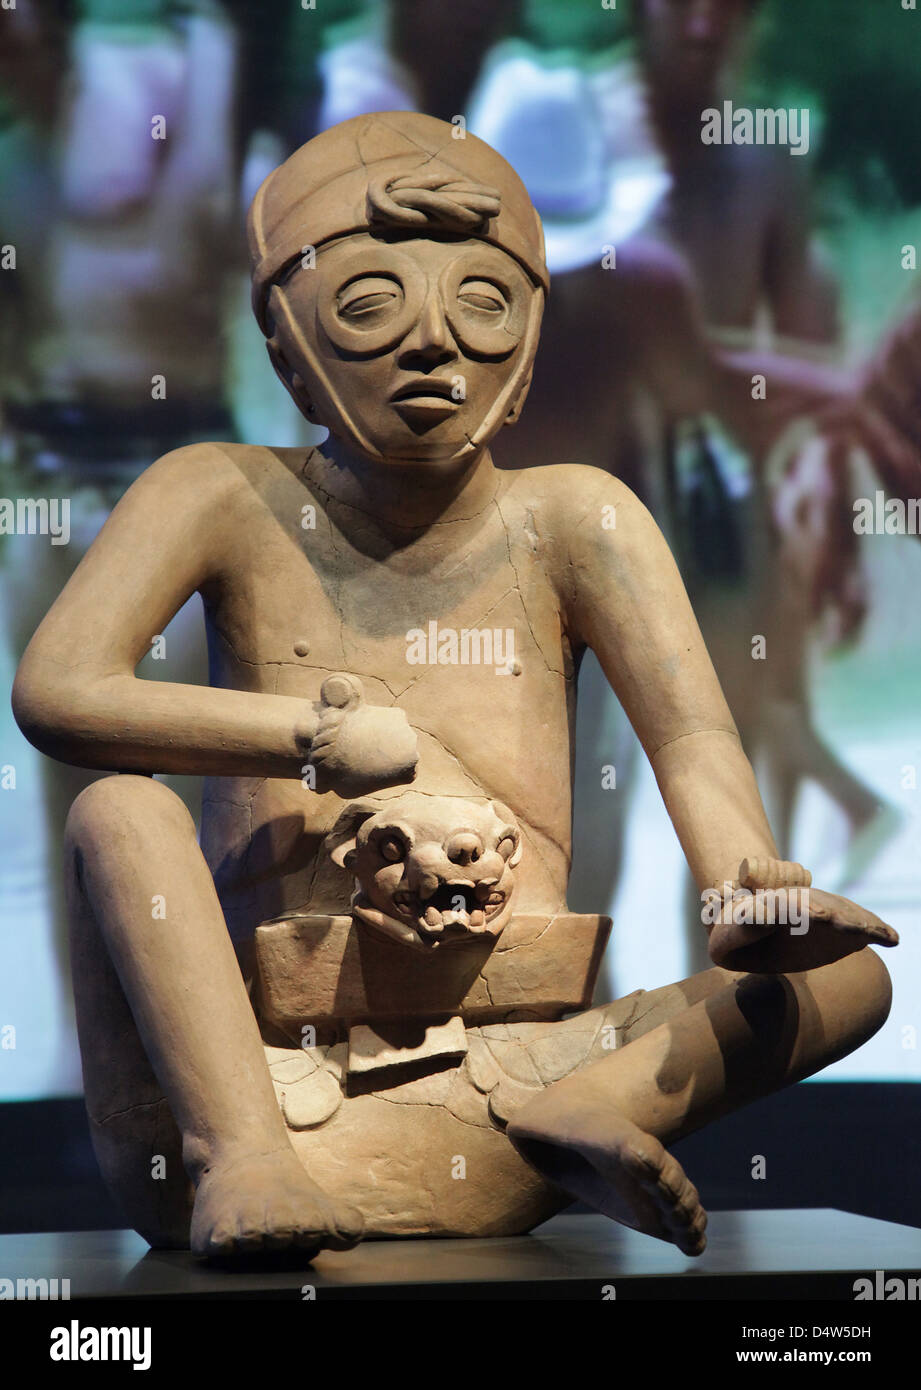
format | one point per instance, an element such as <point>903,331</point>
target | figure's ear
<point>517,405</point>
<point>509,830</point>
<point>286,374</point>
<point>290,379</point>
<point>340,842</point>
<point>516,857</point>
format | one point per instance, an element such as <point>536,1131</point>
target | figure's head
<point>399,278</point>
<point>688,43</point>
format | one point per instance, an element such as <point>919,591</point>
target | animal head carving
<point>430,871</point>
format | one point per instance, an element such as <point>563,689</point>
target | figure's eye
<point>482,295</point>
<point>369,298</point>
<point>392,848</point>
<point>507,846</point>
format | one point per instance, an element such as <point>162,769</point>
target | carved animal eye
<point>392,848</point>
<point>507,846</point>
<point>369,298</point>
<point>482,295</point>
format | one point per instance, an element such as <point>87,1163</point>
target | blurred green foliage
<point>862,61</point>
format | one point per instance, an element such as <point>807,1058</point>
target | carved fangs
<point>464,906</point>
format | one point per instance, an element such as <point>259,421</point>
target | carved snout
<point>431,866</point>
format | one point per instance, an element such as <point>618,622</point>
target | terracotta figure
<point>362,1004</point>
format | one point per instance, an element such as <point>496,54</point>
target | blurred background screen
<point>732,328</point>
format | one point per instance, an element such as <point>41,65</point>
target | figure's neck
<point>402,496</point>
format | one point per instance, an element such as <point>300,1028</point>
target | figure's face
<point>420,347</point>
<point>690,41</point>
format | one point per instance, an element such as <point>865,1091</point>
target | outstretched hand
<point>771,921</point>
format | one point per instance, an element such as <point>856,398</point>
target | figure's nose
<point>430,342</point>
<point>464,848</point>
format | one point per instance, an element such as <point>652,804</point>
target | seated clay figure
<point>274,1057</point>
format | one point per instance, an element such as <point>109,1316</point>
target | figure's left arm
<point>628,603</point>
<point>625,599</point>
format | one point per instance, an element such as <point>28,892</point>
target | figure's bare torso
<point>300,602</point>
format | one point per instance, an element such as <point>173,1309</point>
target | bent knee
<point>855,996</point>
<point>872,979</point>
<point>117,803</point>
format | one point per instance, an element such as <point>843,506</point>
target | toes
<point>679,1193</point>
<point>681,1217</point>
<point>671,1179</point>
<point>348,1227</point>
<point>251,1233</point>
<point>308,1243</point>
<point>693,1240</point>
<point>343,1224</point>
<point>280,1229</point>
<point>220,1240</point>
<point>644,1158</point>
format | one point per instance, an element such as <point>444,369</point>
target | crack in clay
<point>524,607</point>
<point>531,941</point>
<point>432,670</point>
<point>692,733</point>
<point>433,1104</point>
<point>269,660</point>
<point>411,526</point>
<point>130,1110</point>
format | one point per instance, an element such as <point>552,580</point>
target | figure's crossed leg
<point>709,1045</point>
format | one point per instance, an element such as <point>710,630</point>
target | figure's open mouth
<point>426,388</point>
<point>457,907</point>
<point>425,402</point>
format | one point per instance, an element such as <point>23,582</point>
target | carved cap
<point>396,169</point>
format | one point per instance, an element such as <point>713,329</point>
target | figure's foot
<point>612,1165</point>
<point>267,1203</point>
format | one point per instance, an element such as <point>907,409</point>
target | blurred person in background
<point>412,55</point>
<point>740,215</point>
<point>877,423</point>
<point>119,181</point>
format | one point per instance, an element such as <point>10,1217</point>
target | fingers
<point>848,917</point>
<point>773,873</point>
<point>872,935</point>
<point>342,691</point>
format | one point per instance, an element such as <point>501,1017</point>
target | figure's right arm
<point>76,696</point>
